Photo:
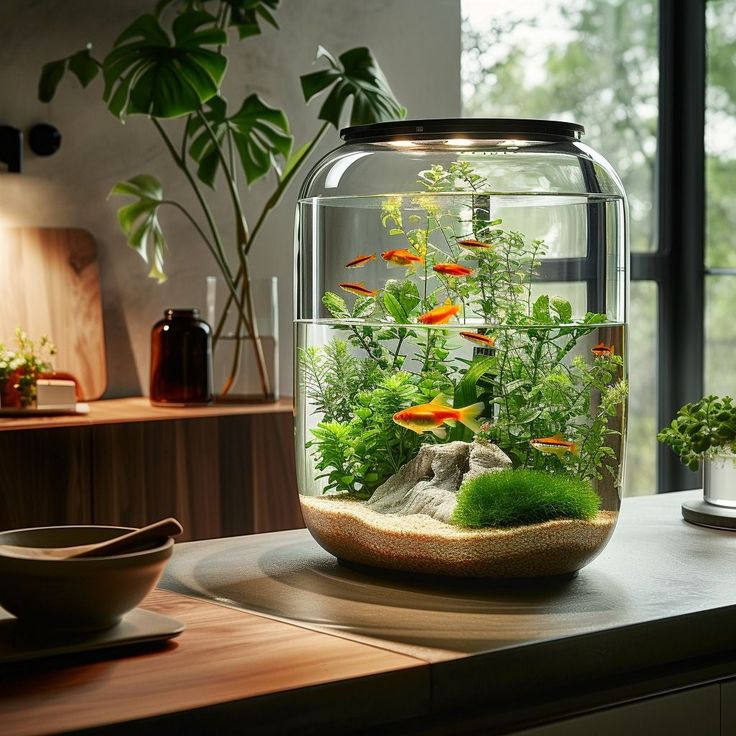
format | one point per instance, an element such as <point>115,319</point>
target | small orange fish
<point>359,289</point>
<point>430,417</point>
<point>602,350</point>
<point>472,244</point>
<point>479,338</point>
<point>401,257</point>
<point>440,315</point>
<point>452,269</point>
<point>555,445</point>
<point>360,261</point>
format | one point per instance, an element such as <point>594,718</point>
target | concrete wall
<point>416,41</point>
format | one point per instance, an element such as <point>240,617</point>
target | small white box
<point>54,393</point>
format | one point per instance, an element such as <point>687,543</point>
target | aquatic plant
<point>701,428</point>
<point>527,377</point>
<point>521,496</point>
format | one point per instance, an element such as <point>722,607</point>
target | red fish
<point>452,269</point>
<point>359,289</point>
<point>430,417</point>
<point>440,315</point>
<point>401,257</point>
<point>479,338</point>
<point>472,244</point>
<point>360,261</point>
<point>602,350</point>
<point>555,445</point>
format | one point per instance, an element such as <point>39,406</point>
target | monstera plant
<point>170,64</point>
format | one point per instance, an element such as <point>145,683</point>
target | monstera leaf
<point>81,64</point>
<point>244,15</point>
<point>147,74</point>
<point>258,133</point>
<point>356,75</point>
<point>139,220</point>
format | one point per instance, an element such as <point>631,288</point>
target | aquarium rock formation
<point>429,483</point>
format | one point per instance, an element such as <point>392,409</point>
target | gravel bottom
<point>418,543</point>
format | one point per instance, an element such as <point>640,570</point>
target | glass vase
<point>246,366</point>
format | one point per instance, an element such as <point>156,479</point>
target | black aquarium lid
<point>473,128</point>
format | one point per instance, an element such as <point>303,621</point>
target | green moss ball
<point>519,497</point>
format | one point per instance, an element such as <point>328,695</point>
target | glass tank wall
<point>460,348</point>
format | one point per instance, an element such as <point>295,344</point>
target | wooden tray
<point>19,644</point>
<point>49,285</point>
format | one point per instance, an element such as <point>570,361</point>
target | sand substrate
<point>418,543</point>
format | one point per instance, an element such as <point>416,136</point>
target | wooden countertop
<point>139,409</point>
<point>317,647</point>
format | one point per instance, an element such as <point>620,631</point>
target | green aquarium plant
<point>169,65</point>
<point>533,380</point>
<point>701,429</point>
<point>521,496</point>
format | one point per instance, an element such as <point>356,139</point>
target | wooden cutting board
<point>50,285</point>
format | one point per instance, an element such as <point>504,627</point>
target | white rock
<point>429,483</point>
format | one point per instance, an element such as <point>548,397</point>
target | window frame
<point>678,263</point>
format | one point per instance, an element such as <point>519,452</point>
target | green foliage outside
<point>597,63</point>
<point>170,64</point>
<point>530,383</point>
<point>701,429</point>
<point>517,497</point>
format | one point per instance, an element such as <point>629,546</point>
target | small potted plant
<point>705,431</point>
<point>20,368</point>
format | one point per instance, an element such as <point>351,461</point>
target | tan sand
<point>419,543</point>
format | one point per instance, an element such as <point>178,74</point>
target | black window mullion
<point>681,221</point>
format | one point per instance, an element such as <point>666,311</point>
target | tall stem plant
<point>170,64</point>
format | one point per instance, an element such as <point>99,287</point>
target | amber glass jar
<point>181,359</point>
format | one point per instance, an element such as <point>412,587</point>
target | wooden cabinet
<point>220,470</point>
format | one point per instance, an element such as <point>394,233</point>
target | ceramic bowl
<point>87,594</point>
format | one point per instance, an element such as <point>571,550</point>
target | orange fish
<point>555,445</point>
<point>479,338</point>
<point>359,289</point>
<point>602,350</point>
<point>452,269</point>
<point>471,244</point>
<point>360,261</point>
<point>401,257</point>
<point>430,417</point>
<point>440,315</point>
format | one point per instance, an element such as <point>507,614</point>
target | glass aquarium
<point>461,348</point>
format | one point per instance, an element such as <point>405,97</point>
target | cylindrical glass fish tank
<point>460,357</point>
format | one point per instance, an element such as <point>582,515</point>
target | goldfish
<point>471,244</point>
<point>555,445</point>
<point>401,257</point>
<point>360,261</point>
<point>452,269</point>
<point>439,315</point>
<point>430,417</point>
<point>360,289</point>
<point>602,350</point>
<point>479,338</point>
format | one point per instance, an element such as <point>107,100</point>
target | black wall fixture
<point>11,148</point>
<point>44,139</point>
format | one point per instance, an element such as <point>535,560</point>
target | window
<point>593,62</point>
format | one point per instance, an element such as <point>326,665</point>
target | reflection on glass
<point>591,61</point>
<point>720,335</point>
<point>720,136</point>
<point>640,472</point>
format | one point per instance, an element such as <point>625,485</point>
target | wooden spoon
<point>117,545</point>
